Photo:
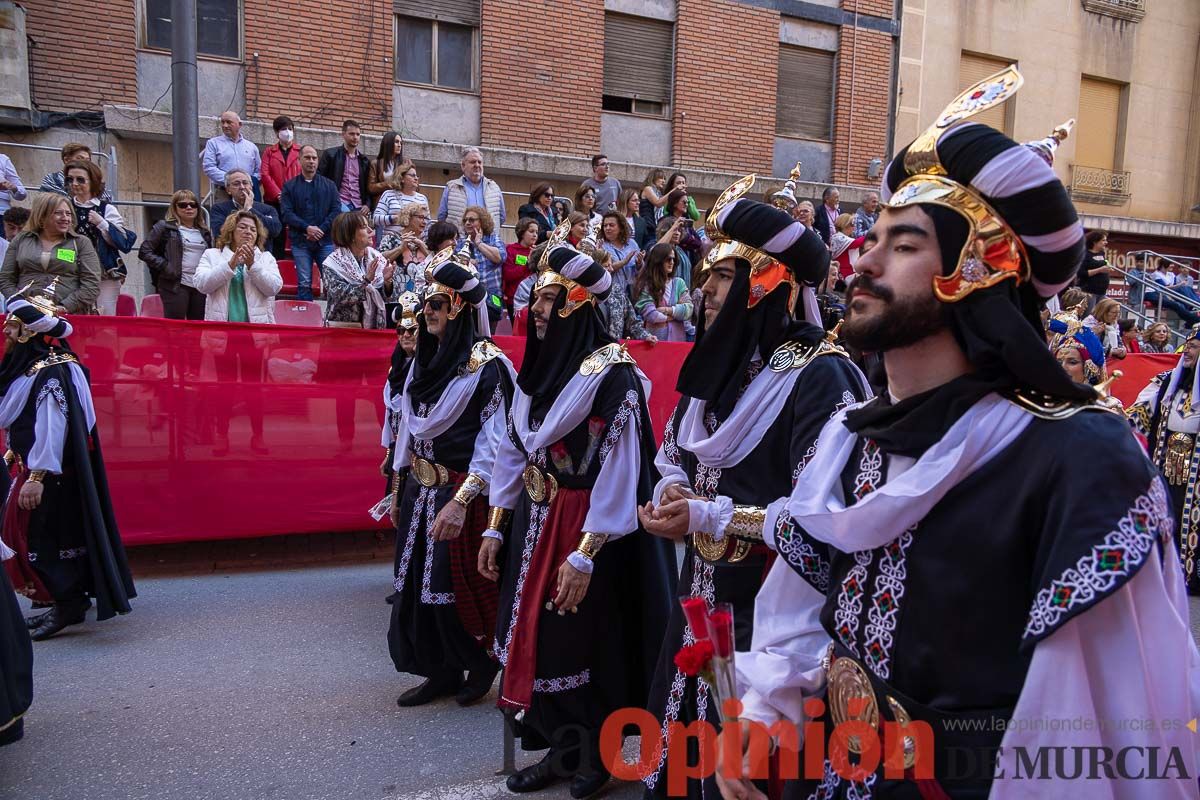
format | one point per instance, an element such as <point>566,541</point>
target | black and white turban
<point>37,320</point>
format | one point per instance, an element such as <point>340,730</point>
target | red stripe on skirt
<point>560,535</point>
<point>475,596</point>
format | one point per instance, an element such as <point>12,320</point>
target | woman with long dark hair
<point>383,168</point>
<point>662,299</point>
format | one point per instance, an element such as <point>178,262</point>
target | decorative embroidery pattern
<point>410,539</point>
<point>1123,550</point>
<point>53,387</point>
<point>870,470</point>
<point>885,603</point>
<point>537,519</point>
<point>617,427</point>
<point>670,446</point>
<point>428,597</point>
<point>563,684</point>
<point>492,407</point>
<point>74,552</point>
<point>793,544</point>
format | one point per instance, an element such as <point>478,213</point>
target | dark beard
<point>900,324</point>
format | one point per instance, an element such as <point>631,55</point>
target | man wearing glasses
<point>308,204</point>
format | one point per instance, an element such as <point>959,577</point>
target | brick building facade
<point>687,84</point>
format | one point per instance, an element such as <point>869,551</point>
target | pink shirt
<point>348,191</point>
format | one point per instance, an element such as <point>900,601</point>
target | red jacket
<point>276,172</point>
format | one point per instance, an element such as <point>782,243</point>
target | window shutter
<point>464,12</point>
<point>804,97</point>
<point>638,56</point>
<point>1099,117</point>
<point>971,70</point>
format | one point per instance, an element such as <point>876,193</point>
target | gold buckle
<point>710,549</point>
<point>430,474</point>
<point>848,682</point>
<point>540,486</point>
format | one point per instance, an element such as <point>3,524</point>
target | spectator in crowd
<point>689,240</point>
<point>540,209</point>
<point>383,175</point>
<point>10,184</point>
<point>487,248</point>
<point>50,248</point>
<point>663,298</point>
<point>309,203</point>
<point>1183,282</point>
<point>472,189</point>
<point>1157,339</point>
<point>227,152</point>
<point>616,312</point>
<point>585,203</point>
<point>679,181</point>
<point>172,252</point>
<point>280,163</point>
<point>349,169</point>
<point>845,246</point>
<point>238,278</point>
<point>866,215</point>
<point>1094,272</point>
<point>441,235</point>
<point>630,205</point>
<point>670,231</point>
<point>1131,341</point>
<point>409,250</point>
<point>1103,322</point>
<point>563,208</point>
<point>103,225</point>
<point>607,188</point>
<point>625,254</point>
<point>517,266</point>
<point>240,190</point>
<point>579,228</point>
<point>15,219</point>
<point>354,275</point>
<point>1146,271</point>
<point>3,248</point>
<point>825,219</point>
<point>71,151</point>
<point>653,196</point>
<point>401,191</point>
<point>803,213</point>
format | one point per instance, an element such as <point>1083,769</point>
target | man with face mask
<point>1167,413</point>
<point>967,580</point>
<point>59,518</point>
<point>585,595</point>
<point>453,409</point>
<point>756,389</point>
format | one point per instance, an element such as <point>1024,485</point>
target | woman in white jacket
<point>239,278</point>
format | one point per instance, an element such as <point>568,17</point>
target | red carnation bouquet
<point>711,656</point>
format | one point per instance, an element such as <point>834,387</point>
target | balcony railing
<point>1132,10</point>
<point>1096,185</point>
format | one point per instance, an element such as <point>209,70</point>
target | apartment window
<point>437,42</point>
<point>973,68</point>
<point>638,56</point>
<point>1098,132</point>
<point>218,27</point>
<point>804,96</point>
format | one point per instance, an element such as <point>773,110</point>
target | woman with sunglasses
<point>172,251</point>
<point>100,222</point>
<point>541,210</point>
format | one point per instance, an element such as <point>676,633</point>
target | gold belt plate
<point>430,474</point>
<point>540,486</point>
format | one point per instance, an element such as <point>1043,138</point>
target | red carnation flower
<point>694,658</point>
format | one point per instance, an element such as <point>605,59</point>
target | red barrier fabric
<point>1138,370</point>
<point>166,393</point>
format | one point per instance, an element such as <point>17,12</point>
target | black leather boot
<point>533,778</point>
<point>430,690</point>
<point>478,684</point>
<point>586,784</point>
<point>59,617</point>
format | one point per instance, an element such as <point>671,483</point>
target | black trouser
<point>181,302</point>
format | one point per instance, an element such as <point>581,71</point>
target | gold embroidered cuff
<point>747,523</point>
<point>36,476</point>
<point>472,487</point>
<point>590,544</point>
<point>9,458</point>
<point>498,518</point>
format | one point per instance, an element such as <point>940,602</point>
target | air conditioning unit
<point>14,58</point>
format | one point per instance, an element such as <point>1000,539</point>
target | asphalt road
<point>263,685</point>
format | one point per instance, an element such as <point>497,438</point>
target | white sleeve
<point>612,509</point>
<point>671,473</point>
<point>50,429</point>
<point>1125,676</point>
<point>487,442</point>
<point>783,666</point>
<point>509,466</point>
<point>401,458</point>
